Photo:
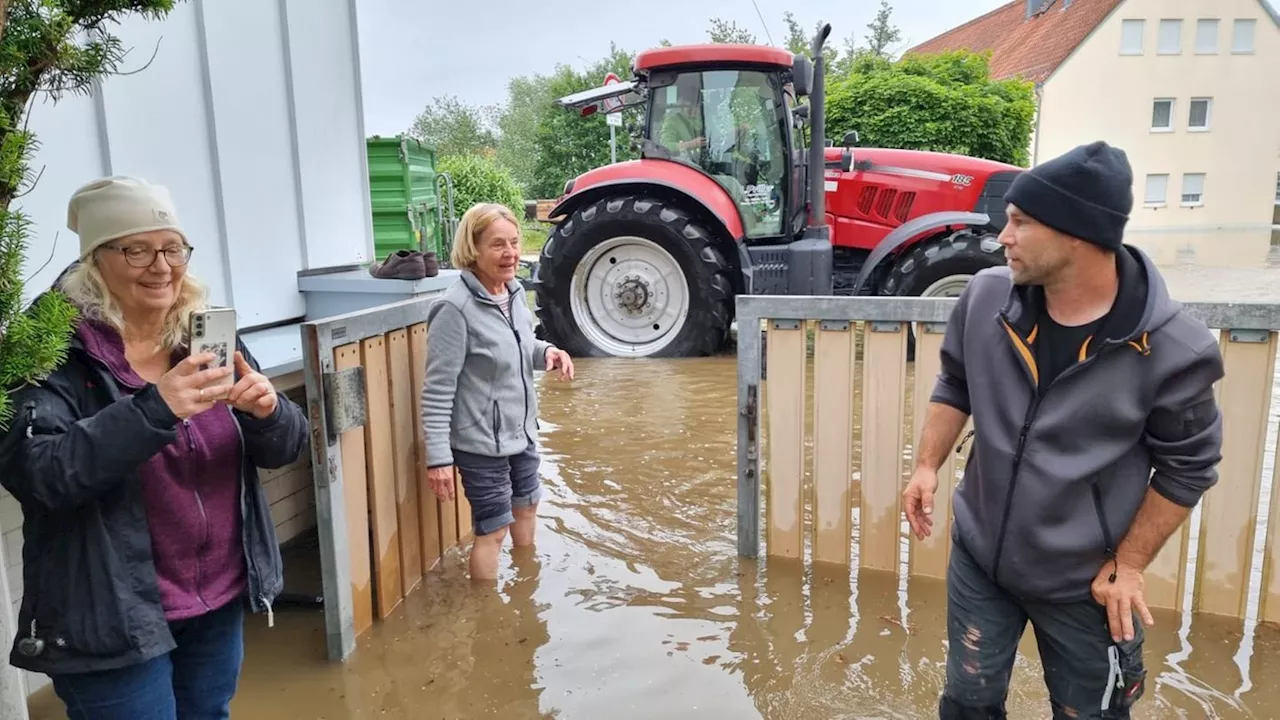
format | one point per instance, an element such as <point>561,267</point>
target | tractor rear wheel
<point>941,267</point>
<point>633,276</point>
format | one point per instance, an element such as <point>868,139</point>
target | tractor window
<point>727,123</point>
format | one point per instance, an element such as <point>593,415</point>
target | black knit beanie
<point>1086,193</point>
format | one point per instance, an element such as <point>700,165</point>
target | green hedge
<point>477,179</point>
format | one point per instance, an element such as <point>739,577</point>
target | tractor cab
<point>728,111</point>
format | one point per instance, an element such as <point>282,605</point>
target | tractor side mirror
<point>801,114</point>
<point>802,75</point>
<point>851,138</point>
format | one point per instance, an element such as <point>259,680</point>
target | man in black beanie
<point>1096,431</point>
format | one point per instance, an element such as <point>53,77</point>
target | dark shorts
<point>1088,676</point>
<point>495,485</point>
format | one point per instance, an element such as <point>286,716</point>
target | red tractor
<point>647,256</point>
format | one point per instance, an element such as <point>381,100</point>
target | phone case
<point>215,331</point>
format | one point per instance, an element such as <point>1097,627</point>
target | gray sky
<point>470,49</point>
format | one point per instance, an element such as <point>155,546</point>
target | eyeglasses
<point>140,256</point>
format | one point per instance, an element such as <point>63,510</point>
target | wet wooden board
<point>404,442</point>
<point>465,530</point>
<point>833,368</point>
<point>388,587</point>
<point>785,396</point>
<point>884,355</point>
<point>929,556</point>
<point>355,496</point>
<point>1230,509</point>
<point>1269,610</point>
<point>428,508</point>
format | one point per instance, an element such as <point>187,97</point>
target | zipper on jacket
<point>963,442</point>
<point>244,534</point>
<point>1109,545</point>
<point>497,428</point>
<point>204,516</point>
<point>511,322</point>
<point>1033,374</point>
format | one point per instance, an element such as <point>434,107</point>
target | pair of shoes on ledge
<point>406,265</point>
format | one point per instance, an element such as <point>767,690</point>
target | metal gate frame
<point>335,404</point>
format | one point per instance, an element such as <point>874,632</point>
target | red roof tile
<point>1032,48</point>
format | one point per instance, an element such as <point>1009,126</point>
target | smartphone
<point>214,331</point>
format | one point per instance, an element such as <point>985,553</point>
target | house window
<point>1201,110</point>
<point>1170,37</point>
<point>1157,190</point>
<point>1131,37</point>
<point>1207,37</point>
<point>1162,115</point>
<point>1242,37</point>
<point>1192,189</point>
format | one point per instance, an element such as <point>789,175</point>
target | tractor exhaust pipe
<point>817,133</point>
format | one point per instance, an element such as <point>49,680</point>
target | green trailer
<point>411,211</point>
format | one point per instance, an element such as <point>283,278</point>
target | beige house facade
<point>1188,88</point>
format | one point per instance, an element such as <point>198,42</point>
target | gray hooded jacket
<point>1054,478</point>
<point>478,394</point>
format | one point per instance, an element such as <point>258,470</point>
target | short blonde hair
<point>86,289</point>
<point>474,222</point>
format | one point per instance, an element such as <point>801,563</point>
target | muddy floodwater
<point>634,603</point>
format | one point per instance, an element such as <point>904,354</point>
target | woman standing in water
<point>479,404</point>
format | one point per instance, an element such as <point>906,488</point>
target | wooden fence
<point>381,528</point>
<point>855,350</point>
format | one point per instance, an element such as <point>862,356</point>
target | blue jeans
<point>195,681</point>
<point>1088,676</point>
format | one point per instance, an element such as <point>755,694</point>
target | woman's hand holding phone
<point>253,392</point>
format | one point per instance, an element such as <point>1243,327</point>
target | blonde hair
<point>86,289</point>
<point>474,222</point>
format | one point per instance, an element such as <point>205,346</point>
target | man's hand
<point>917,501</point>
<point>1121,597</point>
<point>557,358</point>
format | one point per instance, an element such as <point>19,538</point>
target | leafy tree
<point>567,144</point>
<point>528,98</point>
<point>727,31</point>
<point>455,128</point>
<point>883,32</point>
<point>801,43</point>
<point>478,179</point>
<point>945,103</point>
<point>52,48</point>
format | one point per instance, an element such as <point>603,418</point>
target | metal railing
<point>858,347</point>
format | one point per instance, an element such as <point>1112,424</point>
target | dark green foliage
<point>945,103</point>
<point>478,179</point>
<point>50,47</point>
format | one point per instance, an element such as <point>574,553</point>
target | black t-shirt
<point>1058,346</point>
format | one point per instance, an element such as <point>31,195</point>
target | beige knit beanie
<point>114,207</point>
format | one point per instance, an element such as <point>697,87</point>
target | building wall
<point>256,128</point>
<point>1101,92</point>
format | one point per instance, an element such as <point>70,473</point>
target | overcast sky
<point>413,50</point>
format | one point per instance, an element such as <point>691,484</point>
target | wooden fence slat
<point>1228,519</point>
<point>1269,607</point>
<point>833,367</point>
<point>355,497</point>
<point>404,443</point>
<point>428,507</point>
<point>884,354</point>
<point>785,398</point>
<point>1166,574</point>
<point>388,588</point>
<point>465,530</point>
<point>929,556</point>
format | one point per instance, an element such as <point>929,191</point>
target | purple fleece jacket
<point>191,494</point>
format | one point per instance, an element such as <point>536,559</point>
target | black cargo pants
<point>1088,675</point>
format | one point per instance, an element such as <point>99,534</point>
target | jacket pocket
<point>81,597</point>
<point>1107,544</point>
<point>497,428</point>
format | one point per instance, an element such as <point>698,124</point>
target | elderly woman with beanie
<point>146,531</point>
<point>479,404</point>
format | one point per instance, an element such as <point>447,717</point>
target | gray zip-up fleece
<point>1054,478</point>
<point>478,394</point>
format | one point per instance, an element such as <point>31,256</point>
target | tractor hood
<point>918,163</point>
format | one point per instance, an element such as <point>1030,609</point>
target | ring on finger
<point>201,394</point>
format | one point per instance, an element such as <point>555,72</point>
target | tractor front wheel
<point>633,277</point>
